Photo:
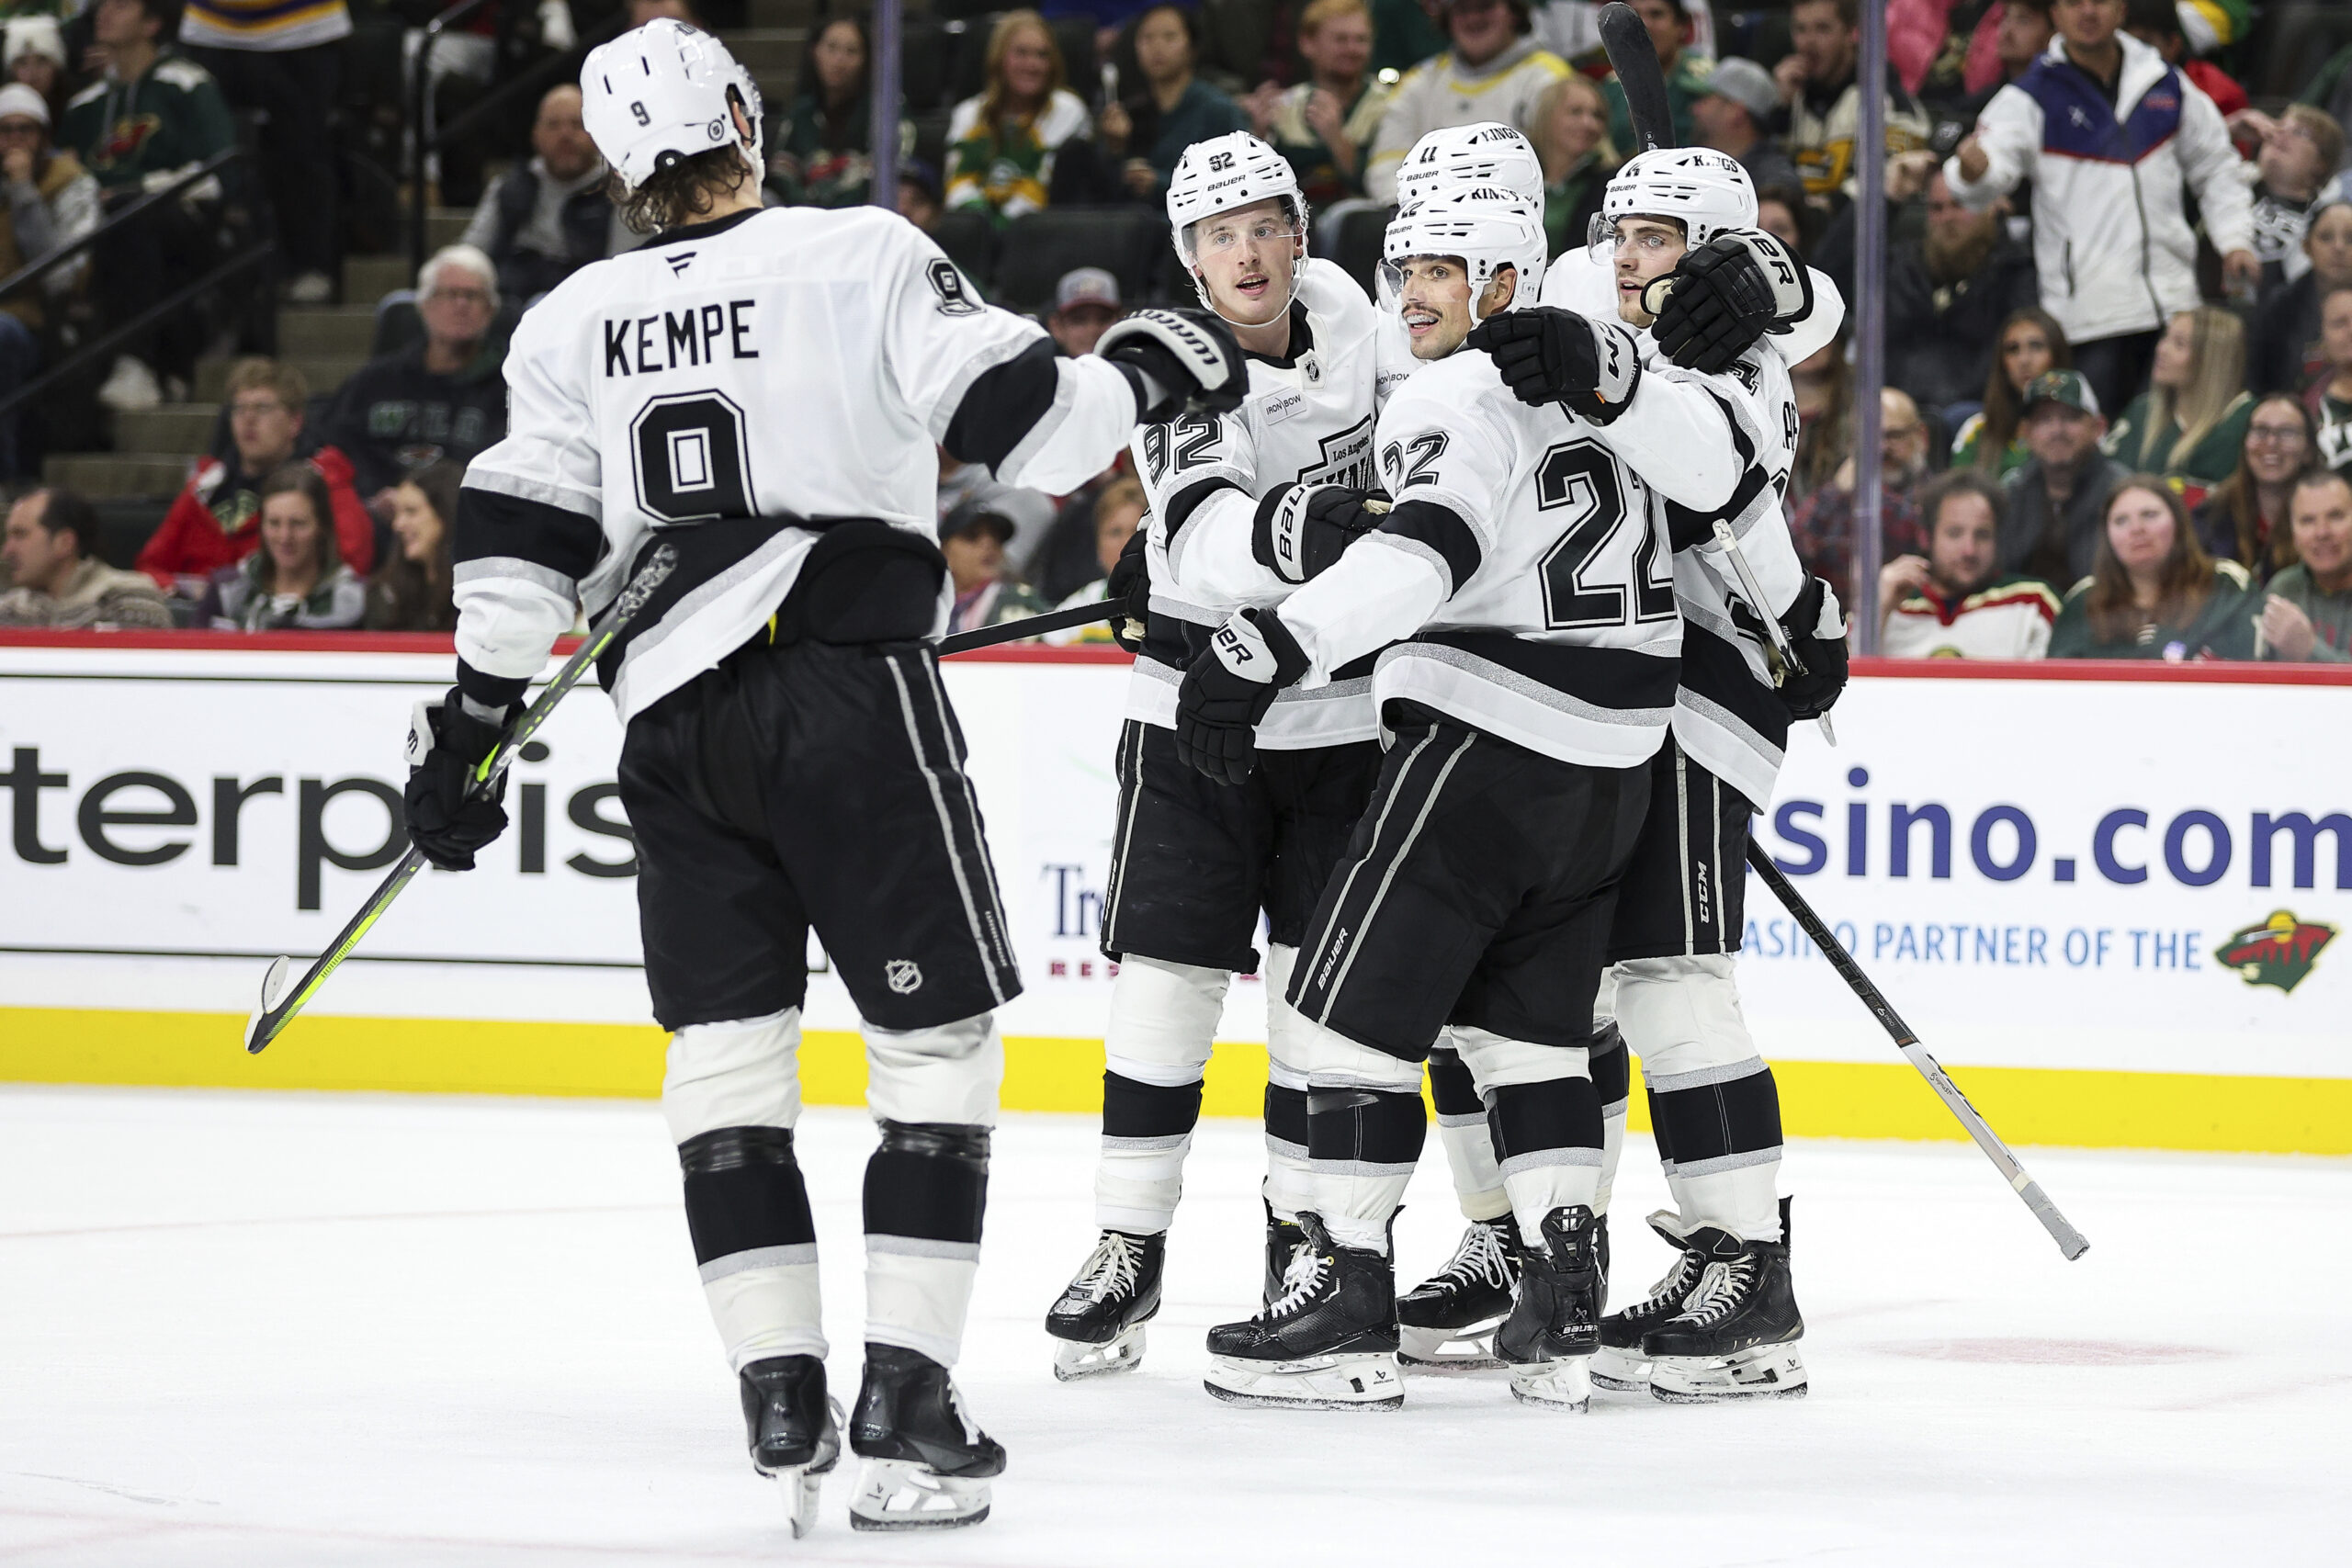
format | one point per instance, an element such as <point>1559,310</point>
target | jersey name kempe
<point>674,340</point>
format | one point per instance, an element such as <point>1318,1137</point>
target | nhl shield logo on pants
<point>902,976</point>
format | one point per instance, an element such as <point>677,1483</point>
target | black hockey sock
<point>1286,1116</point>
<point>744,1193</point>
<point>929,1181</point>
<point>1612,1071</point>
<point>1451,1087</point>
<point>1532,1120</point>
<point>1135,1110</point>
<point>1718,1122</point>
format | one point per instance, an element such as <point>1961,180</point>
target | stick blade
<point>273,990</point>
<point>1639,75</point>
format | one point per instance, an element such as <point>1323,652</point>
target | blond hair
<point>278,376</point>
<point>992,97</point>
<point>2216,383</point>
<point>1311,20</point>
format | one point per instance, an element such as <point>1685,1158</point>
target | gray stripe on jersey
<point>1511,681</point>
<point>797,1253</point>
<point>586,503</point>
<point>515,569</point>
<point>951,397</point>
<point>1195,615</point>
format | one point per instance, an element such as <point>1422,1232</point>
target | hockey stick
<point>1776,638</point>
<point>1639,75</point>
<point>2069,1240</point>
<point>277,1005</point>
<point>1034,626</point>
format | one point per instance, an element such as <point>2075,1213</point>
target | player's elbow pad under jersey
<point>1042,422</point>
<point>518,564</point>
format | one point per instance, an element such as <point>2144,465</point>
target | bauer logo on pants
<point>902,976</point>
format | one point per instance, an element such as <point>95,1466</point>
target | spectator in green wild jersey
<point>2153,592</point>
<point>2308,613</point>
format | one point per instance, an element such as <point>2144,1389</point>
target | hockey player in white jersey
<point>1528,576</point>
<point>763,390</point>
<point>1724,1323</point>
<point>1245,506</point>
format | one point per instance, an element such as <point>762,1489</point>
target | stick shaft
<point>2069,1240</point>
<point>1034,626</point>
<point>1639,75</point>
<point>494,767</point>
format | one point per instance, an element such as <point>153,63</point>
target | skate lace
<point>1720,1290</point>
<point>1112,1268</point>
<point>1300,1282</point>
<point>1673,1289</point>
<point>1479,1259</point>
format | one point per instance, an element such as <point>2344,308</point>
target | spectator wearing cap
<point>2307,615</point>
<point>972,537</point>
<point>2113,141</point>
<point>545,221</point>
<point>34,53</point>
<point>1494,71</point>
<point>151,119</point>
<point>2284,352</point>
<point>52,201</point>
<point>216,520</point>
<point>441,398</point>
<point>919,195</point>
<point>1325,124</point>
<point>1954,603</point>
<point>2153,592</point>
<point>2052,528</point>
<point>1029,512</point>
<point>1086,301</point>
<point>1669,24</point>
<point>1820,84</point>
<point>1822,525</point>
<point>56,582</point>
<point>1732,112</point>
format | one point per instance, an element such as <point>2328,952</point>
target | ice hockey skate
<point>1328,1342</point>
<point>1447,1323</point>
<point>1283,1238</point>
<point>1737,1335</point>
<point>1554,1327</point>
<point>793,1431</point>
<point>927,1464</point>
<point>1621,1365</point>
<point>1098,1319</point>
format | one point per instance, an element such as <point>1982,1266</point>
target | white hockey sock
<point>764,1312</point>
<point>918,1300</point>
<point>1537,1189</point>
<point>1613,1149</point>
<point>1470,1156</point>
<point>1288,1187</point>
<point>1162,1028</point>
<point>1745,1200</point>
<point>1364,1106</point>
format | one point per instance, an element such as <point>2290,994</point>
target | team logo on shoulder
<point>902,976</point>
<point>2278,952</point>
<point>955,294</point>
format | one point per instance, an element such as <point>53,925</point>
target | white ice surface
<point>294,1330</point>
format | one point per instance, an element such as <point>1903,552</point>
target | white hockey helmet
<point>1488,150</point>
<point>663,92</point>
<point>1488,226</point>
<point>1707,191</point>
<point>1224,173</point>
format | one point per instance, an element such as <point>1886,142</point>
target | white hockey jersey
<point>1525,560</point>
<point>1309,420</point>
<point>1726,713</point>
<point>737,386</point>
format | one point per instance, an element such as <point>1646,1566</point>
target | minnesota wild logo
<point>2278,952</point>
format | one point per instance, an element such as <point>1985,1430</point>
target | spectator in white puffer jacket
<point>2111,137</point>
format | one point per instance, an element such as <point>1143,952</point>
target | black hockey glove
<point>1815,625</point>
<point>1302,529</point>
<point>1130,584</point>
<point>1726,295</point>
<point>1190,357</point>
<point>1549,355</point>
<point>1228,689</point>
<point>446,744</point>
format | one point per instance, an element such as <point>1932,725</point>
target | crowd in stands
<point>2117,296</point>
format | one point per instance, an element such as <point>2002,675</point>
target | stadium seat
<point>1353,241</point>
<point>923,64</point>
<point>1132,242</point>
